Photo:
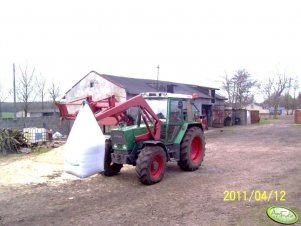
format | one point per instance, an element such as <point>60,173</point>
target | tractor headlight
<point>124,147</point>
<point>115,146</point>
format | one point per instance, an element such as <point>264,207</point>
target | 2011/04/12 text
<point>255,195</point>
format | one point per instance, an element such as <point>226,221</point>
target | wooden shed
<point>255,118</point>
<point>218,116</point>
<point>241,117</point>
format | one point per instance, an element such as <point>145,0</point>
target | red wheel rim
<point>196,149</point>
<point>156,167</point>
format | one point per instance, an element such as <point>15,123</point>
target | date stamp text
<point>254,195</point>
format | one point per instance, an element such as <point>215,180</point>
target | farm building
<point>263,113</point>
<point>241,117</point>
<point>245,116</point>
<point>101,86</point>
<point>257,107</point>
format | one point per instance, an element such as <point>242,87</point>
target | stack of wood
<point>11,140</point>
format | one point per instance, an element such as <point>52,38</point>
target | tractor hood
<point>123,138</point>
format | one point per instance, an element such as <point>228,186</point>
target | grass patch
<point>297,126</point>
<point>5,156</point>
<point>10,157</point>
<point>34,151</point>
<point>266,121</point>
<point>39,150</point>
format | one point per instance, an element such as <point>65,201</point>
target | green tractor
<point>166,128</point>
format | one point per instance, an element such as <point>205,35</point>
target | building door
<point>207,112</point>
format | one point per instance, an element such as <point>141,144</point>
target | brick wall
<point>50,122</point>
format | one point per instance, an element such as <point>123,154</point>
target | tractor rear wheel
<point>110,168</point>
<point>150,165</point>
<point>192,149</point>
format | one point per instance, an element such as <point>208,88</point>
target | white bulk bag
<point>85,147</point>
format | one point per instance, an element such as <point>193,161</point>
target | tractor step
<point>173,160</point>
<point>173,152</point>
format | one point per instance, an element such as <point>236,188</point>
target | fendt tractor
<point>150,130</point>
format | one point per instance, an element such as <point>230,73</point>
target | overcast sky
<point>192,41</point>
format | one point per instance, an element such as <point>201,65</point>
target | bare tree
<point>288,96</point>
<point>25,88</point>
<point>273,89</point>
<point>3,96</point>
<point>54,91</point>
<point>41,88</point>
<point>228,87</point>
<point>239,88</point>
<point>295,87</point>
<point>286,100</point>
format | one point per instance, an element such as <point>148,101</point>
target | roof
<point>165,95</point>
<point>217,96</point>
<point>137,85</point>
<point>32,107</point>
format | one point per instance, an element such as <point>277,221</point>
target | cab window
<point>176,110</point>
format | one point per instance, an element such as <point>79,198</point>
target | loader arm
<point>152,122</point>
<point>109,112</point>
<point>95,106</point>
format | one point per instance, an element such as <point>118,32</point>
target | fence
<point>48,122</point>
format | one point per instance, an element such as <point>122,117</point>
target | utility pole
<point>14,88</point>
<point>158,67</point>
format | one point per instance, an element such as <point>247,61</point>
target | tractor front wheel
<point>192,149</point>
<point>110,168</point>
<point>150,165</point>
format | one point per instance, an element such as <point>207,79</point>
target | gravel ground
<point>262,158</point>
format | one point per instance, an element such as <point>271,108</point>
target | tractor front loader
<point>151,129</point>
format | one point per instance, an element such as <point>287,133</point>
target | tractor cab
<point>173,110</point>
<point>171,107</point>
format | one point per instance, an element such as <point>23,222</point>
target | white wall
<point>21,114</point>
<point>248,117</point>
<point>256,107</point>
<point>102,88</point>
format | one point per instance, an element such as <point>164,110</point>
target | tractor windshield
<point>159,106</point>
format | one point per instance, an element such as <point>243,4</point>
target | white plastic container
<point>34,135</point>
<point>85,146</point>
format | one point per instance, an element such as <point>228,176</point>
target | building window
<point>91,84</point>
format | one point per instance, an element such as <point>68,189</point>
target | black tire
<point>150,165</point>
<point>110,169</point>
<point>192,149</point>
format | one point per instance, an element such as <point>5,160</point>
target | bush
<point>11,140</point>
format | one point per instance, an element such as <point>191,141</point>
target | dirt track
<point>245,158</point>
